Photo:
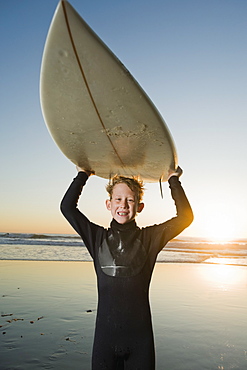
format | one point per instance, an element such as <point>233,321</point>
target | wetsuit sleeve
<point>80,223</point>
<point>184,217</point>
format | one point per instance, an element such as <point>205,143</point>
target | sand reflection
<point>225,276</point>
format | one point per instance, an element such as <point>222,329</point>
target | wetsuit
<point>124,256</point>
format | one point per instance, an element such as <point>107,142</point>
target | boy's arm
<point>71,197</point>
<point>184,217</point>
<point>69,209</point>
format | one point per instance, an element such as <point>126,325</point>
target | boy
<point>124,256</point>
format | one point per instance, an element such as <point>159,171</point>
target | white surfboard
<point>96,112</point>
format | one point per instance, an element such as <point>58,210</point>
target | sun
<point>219,224</point>
<point>220,229</point>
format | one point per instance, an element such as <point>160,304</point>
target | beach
<point>48,310</point>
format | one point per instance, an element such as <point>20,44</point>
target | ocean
<point>59,247</point>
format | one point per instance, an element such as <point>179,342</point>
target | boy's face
<point>123,205</point>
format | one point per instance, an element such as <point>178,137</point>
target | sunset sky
<point>190,57</point>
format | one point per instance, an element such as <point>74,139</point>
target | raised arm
<point>78,220</point>
<point>184,215</point>
<point>70,200</point>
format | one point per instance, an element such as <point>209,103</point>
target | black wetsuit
<point>124,256</point>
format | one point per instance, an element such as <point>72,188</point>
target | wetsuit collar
<point>122,227</point>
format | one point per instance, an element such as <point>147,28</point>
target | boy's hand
<point>178,172</point>
<point>88,172</point>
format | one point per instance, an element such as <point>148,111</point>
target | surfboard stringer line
<point>85,80</point>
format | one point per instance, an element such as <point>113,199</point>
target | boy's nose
<point>124,203</point>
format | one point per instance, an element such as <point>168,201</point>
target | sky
<point>189,56</point>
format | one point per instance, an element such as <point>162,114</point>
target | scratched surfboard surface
<point>95,110</point>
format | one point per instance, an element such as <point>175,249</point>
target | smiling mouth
<point>122,213</point>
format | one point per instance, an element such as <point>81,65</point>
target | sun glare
<point>224,276</point>
<point>220,232</point>
<point>219,224</point>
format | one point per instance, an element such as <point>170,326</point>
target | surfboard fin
<point>161,190</point>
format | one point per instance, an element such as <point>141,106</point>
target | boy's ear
<point>108,204</point>
<point>140,207</point>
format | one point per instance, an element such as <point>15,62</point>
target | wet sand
<point>48,312</point>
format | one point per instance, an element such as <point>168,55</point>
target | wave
<point>71,247</point>
<point>37,236</point>
<point>40,239</point>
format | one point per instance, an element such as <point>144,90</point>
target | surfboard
<point>96,112</point>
